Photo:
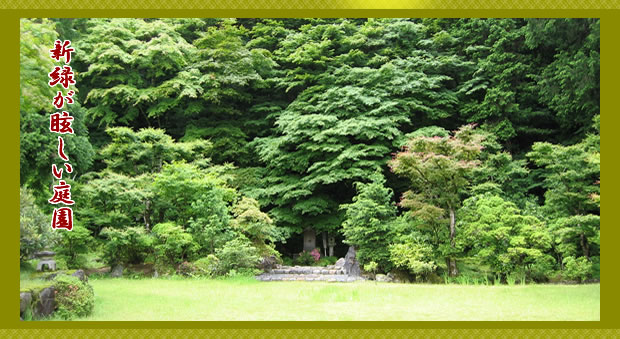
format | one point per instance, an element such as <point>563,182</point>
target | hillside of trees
<point>434,146</point>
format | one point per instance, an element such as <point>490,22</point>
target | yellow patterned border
<point>311,4</point>
<point>312,333</point>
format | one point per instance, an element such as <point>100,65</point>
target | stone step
<point>307,270</point>
<point>306,277</point>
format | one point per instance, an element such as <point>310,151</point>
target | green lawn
<point>246,299</point>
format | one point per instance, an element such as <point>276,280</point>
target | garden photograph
<point>309,169</point>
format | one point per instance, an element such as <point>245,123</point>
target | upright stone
<point>117,271</point>
<point>25,298</point>
<point>351,266</point>
<point>46,304</point>
<point>309,239</point>
<point>81,275</point>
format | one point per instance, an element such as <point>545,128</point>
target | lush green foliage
<point>128,246</point>
<point>367,222</point>
<point>499,235</point>
<point>438,169</point>
<point>202,145</point>
<point>73,297</point>
<point>73,245</point>
<point>207,266</point>
<point>579,269</point>
<point>172,244</point>
<point>35,232</point>
<point>237,254</point>
<point>414,255</point>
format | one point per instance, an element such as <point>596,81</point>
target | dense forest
<point>433,146</point>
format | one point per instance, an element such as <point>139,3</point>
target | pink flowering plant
<point>316,254</point>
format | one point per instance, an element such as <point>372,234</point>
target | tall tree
<point>572,200</point>
<point>438,168</point>
<point>348,115</point>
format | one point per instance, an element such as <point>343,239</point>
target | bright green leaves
<point>146,151</point>
<point>36,39</point>
<point>135,70</point>
<point>572,200</point>
<point>367,221</point>
<point>501,236</point>
<point>35,233</point>
<point>570,83</point>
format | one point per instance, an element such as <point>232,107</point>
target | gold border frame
<point>607,10</point>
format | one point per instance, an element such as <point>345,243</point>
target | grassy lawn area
<point>247,299</point>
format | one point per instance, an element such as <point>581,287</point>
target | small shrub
<point>206,267</point>
<point>286,261</point>
<point>172,244</point>
<point>326,261</point>
<point>579,269</point>
<point>127,246</point>
<point>415,256</point>
<point>305,259</point>
<point>542,269</point>
<point>237,254</point>
<point>187,269</point>
<point>73,245</point>
<point>371,268</point>
<point>316,254</point>
<point>73,297</point>
<point>511,279</point>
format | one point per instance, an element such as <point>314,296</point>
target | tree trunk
<point>584,246</point>
<point>147,215</point>
<point>453,271</point>
<point>452,267</point>
<point>452,227</point>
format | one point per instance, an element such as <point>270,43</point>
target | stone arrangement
<point>42,300</point>
<point>307,273</point>
<point>345,270</point>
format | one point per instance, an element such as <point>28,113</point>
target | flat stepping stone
<point>306,270</point>
<point>307,277</point>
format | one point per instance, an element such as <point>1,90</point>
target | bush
<point>186,269</point>
<point>73,297</point>
<point>172,244</point>
<point>35,232</point>
<point>206,267</point>
<point>315,254</point>
<point>579,269</point>
<point>73,244</point>
<point>286,261</point>
<point>367,224</point>
<point>415,256</point>
<point>305,259</point>
<point>542,269</point>
<point>371,268</point>
<point>498,233</point>
<point>237,254</point>
<point>257,226</point>
<point>128,246</point>
<point>326,261</point>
